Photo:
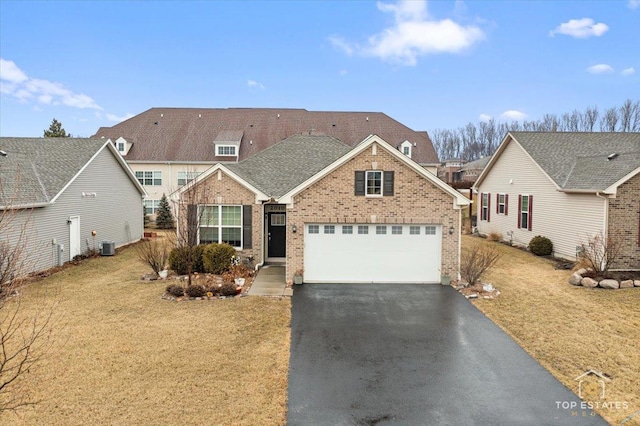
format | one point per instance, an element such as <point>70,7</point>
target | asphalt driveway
<point>414,355</point>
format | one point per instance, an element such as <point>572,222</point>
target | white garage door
<point>372,253</point>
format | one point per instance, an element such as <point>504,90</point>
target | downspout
<point>605,223</point>
<point>259,265</point>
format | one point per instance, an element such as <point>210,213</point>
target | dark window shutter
<point>530,211</point>
<point>489,207</point>
<point>497,203</point>
<point>387,183</point>
<point>506,204</point>
<point>192,225</point>
<point>246,226</point>
<point>359,185</point>
<point>519,211</point>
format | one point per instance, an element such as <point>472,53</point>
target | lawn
<point>122,355</point>
<point>568,329</point>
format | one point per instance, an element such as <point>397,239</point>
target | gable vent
<point>612,156</point>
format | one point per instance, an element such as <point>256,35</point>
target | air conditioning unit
<point>107,248</point>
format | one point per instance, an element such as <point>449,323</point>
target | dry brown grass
<point>125,356</point>
<point>568,329</point>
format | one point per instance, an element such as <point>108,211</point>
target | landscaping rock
<point>575,279</point>
<point>636,283</point>
<point>581,271</point>
<point>472,296</point>
<point>609,284</point>
<point>589,282</point>
<point>626,284</point>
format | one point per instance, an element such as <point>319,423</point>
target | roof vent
<point>367,119</point>
<point>612,156</point>
<point>3,153</point>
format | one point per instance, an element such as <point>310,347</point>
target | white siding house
<point>56,193</point>
<point>560,186</point>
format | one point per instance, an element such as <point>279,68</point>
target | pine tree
<point>164,217</point>
<point>56,131</point>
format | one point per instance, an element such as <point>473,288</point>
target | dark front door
<point>277,227</point>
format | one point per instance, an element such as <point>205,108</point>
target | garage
<point>372,253</point>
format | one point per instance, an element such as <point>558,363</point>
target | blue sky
<point>436,64</point>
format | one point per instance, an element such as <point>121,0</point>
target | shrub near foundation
<point>217,258</point>
<point>541,246</point>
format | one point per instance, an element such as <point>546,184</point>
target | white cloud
<point>484,117</point>
<point>343,72</point>
<point>628,71</point>
<point>116,119</point>
<point>413,34</point>
<point>253,83</point>
<point>580,28</point>
<point>634,4</point>
<point>513,115</point>
<point>15,83</point>
<point>600,69</point>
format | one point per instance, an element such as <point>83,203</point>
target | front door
<point>276,227</point>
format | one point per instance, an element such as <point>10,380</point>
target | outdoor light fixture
<point>294,229</point>
<point>451,230</point>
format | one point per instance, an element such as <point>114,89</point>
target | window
<point>278,219</point>
<point>363,229</point>
<point>186,177</point>
<point>149,178</point>
<point>484,206</point>
<point>151,206</point>
<point>414,230</point>
<point>429,230</point>
<point>374,183</point>
<point>329,229</point>
<point>381,230</point>
<point>347,229</point>
<point>221,224</point>
<point>501,207</point>
<point>406,150</point>
<point>396,230</point>
<point>314,229</point>
<point>120,146</point>
<point>525,210</point>
<point>226,150</point>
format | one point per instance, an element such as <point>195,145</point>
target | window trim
<point>502,207</point>
<point>485,208</point>
<point>155,179</point>
<point>220,226</point>
<point>529,212</point>
<point>220,147</point>
<point>366,183</point>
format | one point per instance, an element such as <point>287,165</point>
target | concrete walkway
<point>270,281</point>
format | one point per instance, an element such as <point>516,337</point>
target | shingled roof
<point>283,166</point>
<point>34,171</point>
<point>581,161</point>
<point>188,134</point>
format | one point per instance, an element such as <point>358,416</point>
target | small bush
<point>179,258</point>
<point>175,290</point>
<point>494,236</point>
<point>217,258</point>
<point>541,246</point>
<point>475,261</point>
<point>228,289</point>
<point>195,290</point>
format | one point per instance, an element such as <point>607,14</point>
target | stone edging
<point>578,278</point>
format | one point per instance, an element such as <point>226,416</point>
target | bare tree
<point>629,116</point>
<point>600,252</point>
<point>475,261</point>
<point>609,121</point>
<point>589,119</point>
<point>25,334</point>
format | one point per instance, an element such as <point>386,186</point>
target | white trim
<point>406,144</point>
<point>366,185</point>
<point>614,188</point>
<point>235,150</point>
<point>220,226</point>
<point>374,140</point>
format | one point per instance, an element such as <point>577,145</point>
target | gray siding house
<point>61,197</point>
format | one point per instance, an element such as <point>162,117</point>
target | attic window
<point>226,150</point>
<point>121,147</point>
<point>405,148</point>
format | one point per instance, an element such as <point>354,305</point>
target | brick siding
<point>332,200</point>
<point>624,223</point>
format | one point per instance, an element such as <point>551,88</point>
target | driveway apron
<point>413,355</point>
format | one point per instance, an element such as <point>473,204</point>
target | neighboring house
<point>566,187</point>
<point>448,168</point>
<point>168,147</point>
<point>365,213</point>
<point>471,170</point>
<point>57,191</point>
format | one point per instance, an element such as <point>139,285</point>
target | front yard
<point>122,355</point>
<point>569,329</point>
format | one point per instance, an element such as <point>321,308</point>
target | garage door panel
<point>372,257</point>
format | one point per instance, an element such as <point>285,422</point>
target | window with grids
<point>152,178</point>
<point>502,204</point>
<point>373,179</point>
<point>151,206</point>
<point>121,146</point>
<point>396,230</point>
<point>524,212</point>
<point>221,224</point>
<point>347,229</point>
<point>226,150</point>
<point>363,229</point>
<point>314,229</point>
<point>414,230</point>
<point>430,230</point>
<point>329,229</point>
<point>381,230</point>
<point>186,177</point>
<point>484,203</point>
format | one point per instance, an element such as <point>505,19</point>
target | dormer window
<point>122,146</point>
<point>226,150</point>
<point>405,148</point>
